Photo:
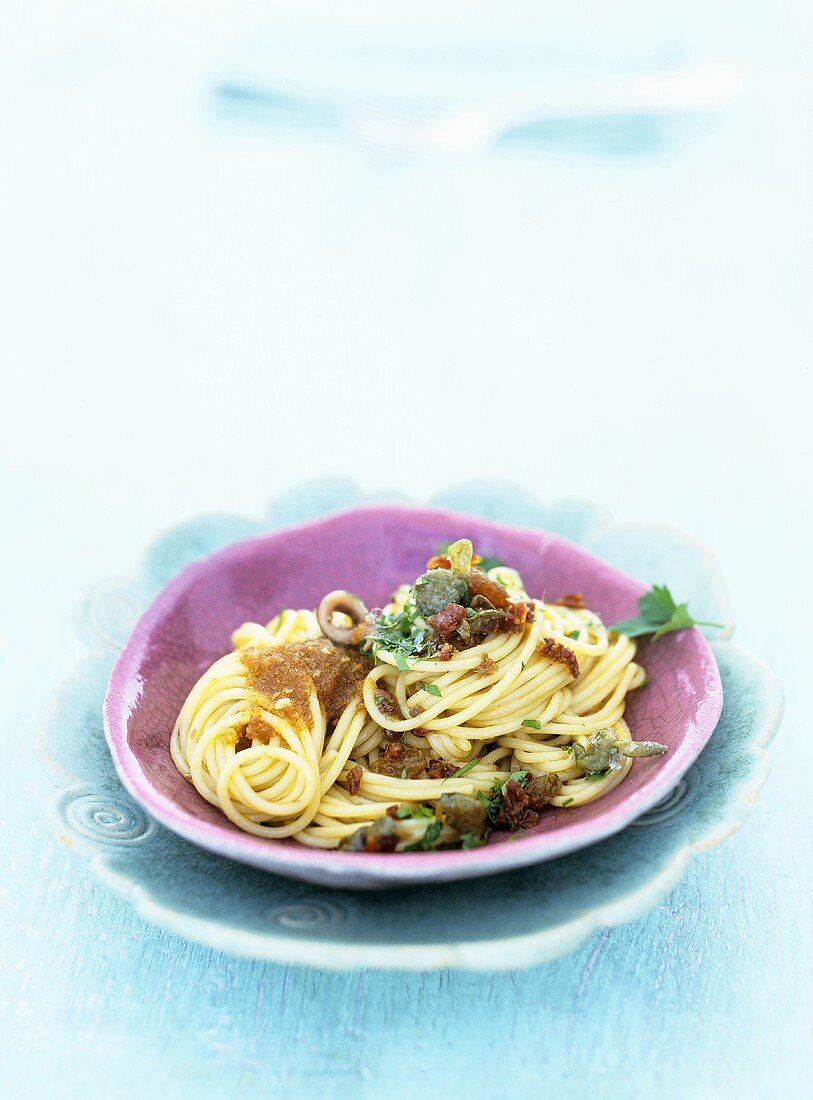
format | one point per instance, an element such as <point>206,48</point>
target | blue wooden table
<point>191,303</point>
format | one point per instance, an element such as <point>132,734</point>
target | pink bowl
<point>370,551</point>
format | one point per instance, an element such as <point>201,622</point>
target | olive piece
<point>484,623</point>
<point>540,789</point>
<point>381,836</point>
<point>437,589</point>
<point>463,813</point>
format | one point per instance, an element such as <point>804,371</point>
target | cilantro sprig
<point>659,614</point>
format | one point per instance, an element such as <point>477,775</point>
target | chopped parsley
<point>432,689</point>
<point>463,769</point>
<point>427,841</point>
<point>492,803</point>
<point>404,634</point>
<point>532,723</point>
<point>567,802</point>
<point>658,614</point>
<point>405,812</point>
<point>574,634</point>
<point>520,777</point>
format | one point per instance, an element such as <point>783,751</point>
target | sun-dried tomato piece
<point>571,599</point>
<point>385,701</point>
<point>354,779</point>
<point>559,653</point>
<point>487,667</point>
<point>448,619</point>
<point>441,769</point>
<point>515,812</point>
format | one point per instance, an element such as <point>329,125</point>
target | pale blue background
<point>199,311</point>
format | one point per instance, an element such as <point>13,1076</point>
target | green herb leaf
<point>574,634</point>
<point>659,614</point>
<point>493,805</point>
<point>405,812</point>
<point>657,605</point>
<point>532,723</point>
<point>427,841</point>
<point>567,802</point>
<point>403,634</point>
<point>432,689</point>
<point>594,776</point>
<point>404,774</point>
<point>520,777</point>
<point>462,770</point>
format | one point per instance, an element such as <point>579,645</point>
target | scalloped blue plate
<point>540,911</point>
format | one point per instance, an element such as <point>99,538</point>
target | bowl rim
<point>370,870</point>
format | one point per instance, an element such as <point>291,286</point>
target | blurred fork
<point>463,131</point>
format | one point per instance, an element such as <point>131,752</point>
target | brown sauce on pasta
<point>287,675</point>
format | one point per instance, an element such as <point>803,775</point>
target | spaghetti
<point>464,706</point>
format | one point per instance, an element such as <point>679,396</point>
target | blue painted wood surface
<point>232,274</point>
<point>94,993</point>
